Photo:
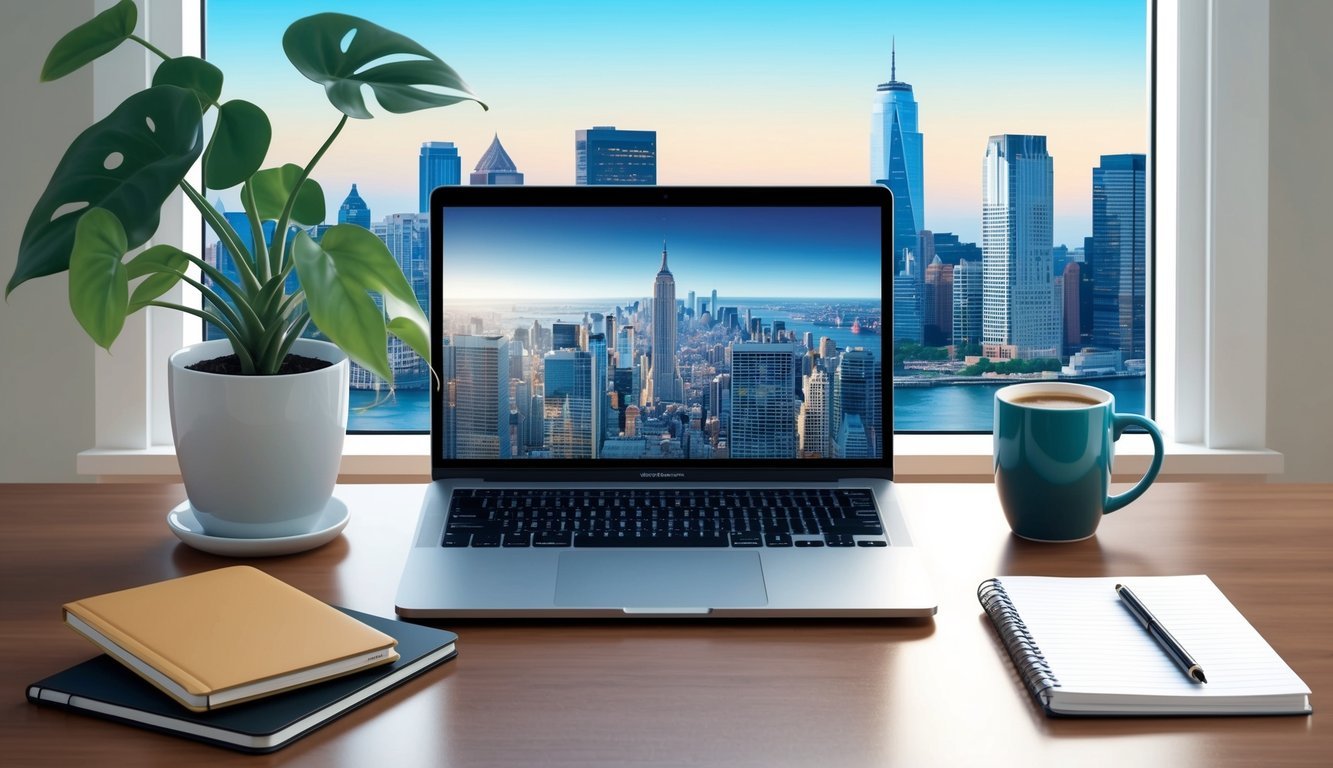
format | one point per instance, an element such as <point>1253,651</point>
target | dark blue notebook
<point>102,687</point>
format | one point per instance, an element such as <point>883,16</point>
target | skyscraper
<point>495,167</point>
<point>1119,263</point>
<point>567,407</point>
<point>438,166</point>
<point>477,418</point>
<point>1072,277</point>
<point>967,302</point>
<point>1020,315</point>
<point>598,390</point>
<point>907,302</point>
<point>664,380</point>
<point>895,159</point>
<point>763,401</point>
<point>354,210</point>
<point>813,427</point>
<point>857,391</point>
<point>606,155</point>
<point>938,305</point>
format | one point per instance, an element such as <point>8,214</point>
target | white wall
<point>1300,239</point>
<point>46,361</point>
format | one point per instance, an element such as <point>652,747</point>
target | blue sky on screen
<point>554,253</point>
<point>744,92</point>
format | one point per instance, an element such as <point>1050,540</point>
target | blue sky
<point>743,92</point>
<point>615,253</point>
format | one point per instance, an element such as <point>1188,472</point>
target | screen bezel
<point>812,470</point>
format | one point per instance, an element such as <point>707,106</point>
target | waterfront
<point>971,407</point>
<point>946,408</point>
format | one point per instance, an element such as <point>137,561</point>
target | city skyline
<point>1088,104</point>
<point>655,378</point>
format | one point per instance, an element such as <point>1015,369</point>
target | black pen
<point>1168,642</point>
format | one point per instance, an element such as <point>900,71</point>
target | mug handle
<point>1119,422</point>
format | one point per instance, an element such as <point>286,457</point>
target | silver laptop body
<point>758,452</point>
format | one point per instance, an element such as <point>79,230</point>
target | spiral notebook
<point>1080,652</point>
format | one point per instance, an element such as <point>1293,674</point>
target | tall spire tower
<point>663,378</point>
<point>895,157</point>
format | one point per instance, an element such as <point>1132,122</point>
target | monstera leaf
<point>315,46</point>
<point>240,142</point>
<point>272,186</point>
<point>127,163</point>
<point>338,274</point>
<point>99,283</point>
<point>91,39</point>
<point>192,74</point>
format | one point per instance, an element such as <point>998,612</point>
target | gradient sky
<point>615,253</point>
<point>743,92</point>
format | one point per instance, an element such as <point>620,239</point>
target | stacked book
<point>234,657</point>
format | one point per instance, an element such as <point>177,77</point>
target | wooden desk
<point>774,693</point>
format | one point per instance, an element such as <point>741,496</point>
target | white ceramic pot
<point>259,455</point>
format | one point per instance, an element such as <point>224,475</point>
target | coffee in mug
<point>1054,443</point>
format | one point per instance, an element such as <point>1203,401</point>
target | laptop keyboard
<point>664,518</point>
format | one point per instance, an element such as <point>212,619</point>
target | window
<point>1039,268</point>
<point>1210,59</point>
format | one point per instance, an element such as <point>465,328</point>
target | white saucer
<point>186,526</point>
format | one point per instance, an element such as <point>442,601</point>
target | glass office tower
<point>1118,258</point>
<point>495,167</point>
<point>607,155</point>
<point>1021,317</point>
<point>438,165</point>
<point>895,159</point>
<point>354,210</point>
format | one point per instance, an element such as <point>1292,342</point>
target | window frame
<point>1207,61</point>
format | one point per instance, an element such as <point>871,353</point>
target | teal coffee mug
<point>1054,443</point>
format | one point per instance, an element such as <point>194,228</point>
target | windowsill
<point>920,458</point>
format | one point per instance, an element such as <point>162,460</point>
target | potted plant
<point>259,415</point>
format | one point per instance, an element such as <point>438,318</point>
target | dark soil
<point>231,365</point>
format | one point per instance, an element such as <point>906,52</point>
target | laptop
<point>661,402</point>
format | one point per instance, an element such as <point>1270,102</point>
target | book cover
<point>103,688</point>
<point>216,638</point>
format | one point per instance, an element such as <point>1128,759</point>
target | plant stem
<point>242,354</point>
<point>280,234</point>
<point>226,234</point>
<point>257,234</point>
<point>150,47</point>
<point>218,301</point>
<point>294,330</point>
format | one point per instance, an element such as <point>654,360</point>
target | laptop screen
<point>662,326</point>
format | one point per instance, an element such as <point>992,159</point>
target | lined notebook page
<point>1104,660</point>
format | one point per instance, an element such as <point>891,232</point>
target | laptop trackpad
<point>639,579</point>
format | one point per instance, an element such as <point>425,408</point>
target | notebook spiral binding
<point>1027,657</point>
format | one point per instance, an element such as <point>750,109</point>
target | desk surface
<point>772,693</point>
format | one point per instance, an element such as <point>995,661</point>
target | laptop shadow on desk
<point>830,631</point>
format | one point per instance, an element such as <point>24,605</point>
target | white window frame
<point>1210,253</point>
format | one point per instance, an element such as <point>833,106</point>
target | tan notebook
<point>226,636</point>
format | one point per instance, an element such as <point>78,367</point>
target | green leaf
<point>99,291</point>
<point>315,47</point>
<point>91,39</point>
<point>272,187</point>
<point>192,74</point>
<point>240,142</point>
<point>162,265</point>
<point>338,274</point>
<point>127,163</point>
